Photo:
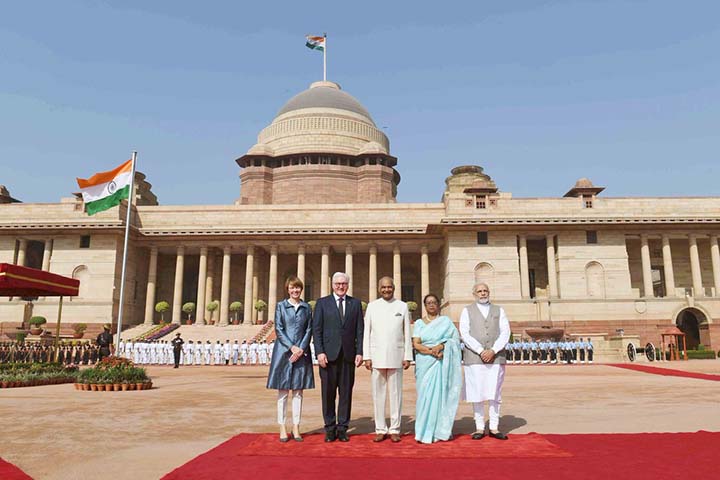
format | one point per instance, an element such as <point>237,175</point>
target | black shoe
<point>330,436</point>
<point>343,436</point>
<point>478,435</point>
<point>498,435</point>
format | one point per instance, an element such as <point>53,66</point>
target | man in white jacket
<point>387,351</point>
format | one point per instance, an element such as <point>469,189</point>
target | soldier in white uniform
<point>271,346</point>
<point>262,353</point>
<point>244,352</point>
<point>226,350</point>
<point>198,352</point>
<point>217,353</point>
<point>485,330</point>
<point>187,353</point>
<point>253,350</point>
<point>235,352</point>
<point>207,353</point>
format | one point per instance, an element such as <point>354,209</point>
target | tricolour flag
<point>315,43</point>
<point>106,189</point>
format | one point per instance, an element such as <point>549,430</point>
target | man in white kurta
<point>387,351</point>
<point>485,330</point>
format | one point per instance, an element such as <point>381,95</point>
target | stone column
<point>524,272</point>
<point>177,290</point>
<point>209,287</point>
<point>372,274</point>
<point>668,267</point>
<point>22,249</point>
<point>151,282</point>
<point>249,262</point>
<point>301,263</point>
<point>552,271</point>
<point>225,288</point>
<point>272,283</point>
<point>47,253</point>
<point>202,279</point>
<point>397,271</point>
<point>695,267</point>
<point>325,271</point>
<point>646,270</point>
<point>349,267</point>
<point>715,257</point>
<point>424,275</point>
<point>256,292</point>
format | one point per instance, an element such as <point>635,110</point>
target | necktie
<point>341,308</point>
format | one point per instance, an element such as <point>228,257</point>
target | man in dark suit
<point>338,338</point>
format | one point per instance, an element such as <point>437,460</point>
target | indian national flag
<point>106,189</point>
<point>315,43</point>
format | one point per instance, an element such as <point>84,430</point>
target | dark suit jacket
<point>329,333</point>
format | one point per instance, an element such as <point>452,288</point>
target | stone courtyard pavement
<point>56,432</point>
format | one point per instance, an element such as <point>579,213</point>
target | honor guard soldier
<point>104,342</point>
<point>177,346</point>
<point>235,352</point>
<point>217,353</point>
<point>581,347</point>
<point>244,352</point>
<point>589,347</point>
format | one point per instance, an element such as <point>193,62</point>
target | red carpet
<point>593,456</point>
<point>666,371</point>
<point>8,471</point>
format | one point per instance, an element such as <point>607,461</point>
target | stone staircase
<point>204,332</point>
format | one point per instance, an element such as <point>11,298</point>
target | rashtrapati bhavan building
<point>318,195</point>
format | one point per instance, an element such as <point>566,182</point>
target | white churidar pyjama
<point>297,397</point>
<point>387,381</point>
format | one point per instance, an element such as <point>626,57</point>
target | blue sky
<point>539,93</point>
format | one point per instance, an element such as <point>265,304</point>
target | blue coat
<point>292,327</point>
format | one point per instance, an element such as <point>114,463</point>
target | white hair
<point>336,275</point>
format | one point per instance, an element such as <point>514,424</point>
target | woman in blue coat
<point>291,366</point>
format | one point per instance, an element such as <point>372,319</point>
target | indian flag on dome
<point>104,190</point>
<point>315,43</point>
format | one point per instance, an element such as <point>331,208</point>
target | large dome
<point>325,95</point>
<point>321,119</point>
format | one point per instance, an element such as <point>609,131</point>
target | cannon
<point>648,350</point>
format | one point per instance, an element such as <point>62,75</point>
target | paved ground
<point>56,432</point>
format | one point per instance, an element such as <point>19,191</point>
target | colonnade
<point>205,278</point>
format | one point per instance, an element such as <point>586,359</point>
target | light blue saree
<point>438,382</point>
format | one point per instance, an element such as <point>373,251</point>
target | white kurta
<point>484,381</point>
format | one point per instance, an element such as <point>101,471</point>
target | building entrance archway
<point>694,324</point>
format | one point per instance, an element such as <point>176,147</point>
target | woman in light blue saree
<point>438,377</point>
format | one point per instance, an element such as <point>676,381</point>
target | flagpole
<point>325,58</point>
<point>125,247</point>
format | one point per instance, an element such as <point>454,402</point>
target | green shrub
<point>701,354</point>
<point>37,321</point>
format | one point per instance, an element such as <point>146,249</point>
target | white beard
<point>484,301</point>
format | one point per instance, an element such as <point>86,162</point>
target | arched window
<point>81,273</point>
<point>484,272</point>
<point>595,278</point>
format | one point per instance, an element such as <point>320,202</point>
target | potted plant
<point>235,308</point>
<point>313,302</point>
<point>363,305</point>
<point>188,308</point>
<point>412,306</point>
<point>162,307</point>
<point>79,329</point>
<point>211,307</point>
<point>36,324</point>
<point>260,306</point>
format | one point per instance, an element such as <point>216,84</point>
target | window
<point>407,293</point>
<point>587,201</point>
<point>482,238</point>
<point>85,241</point>
<point>591,236</point>
<point>480,201</point>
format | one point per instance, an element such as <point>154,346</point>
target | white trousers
<point>387,381</point>
<point>297,397</point>
<point>493,413</point>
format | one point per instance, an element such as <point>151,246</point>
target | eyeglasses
<point>431,302</point>
<point>340,283</point>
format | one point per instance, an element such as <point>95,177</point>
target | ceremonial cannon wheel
<point>648,350</point>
